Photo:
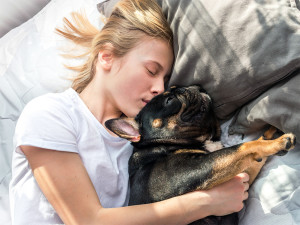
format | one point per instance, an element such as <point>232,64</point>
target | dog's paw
<point>288,142</point>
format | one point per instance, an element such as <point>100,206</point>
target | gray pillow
<point>106,7</point>
<point>235,49</point>
<point>279,106</point>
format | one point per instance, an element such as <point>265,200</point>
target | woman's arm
<point>67,186</point>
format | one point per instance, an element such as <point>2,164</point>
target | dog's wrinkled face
<point>178,116</point>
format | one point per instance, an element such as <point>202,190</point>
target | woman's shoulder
<point>50,100</point>
<point>47,121</point>
<point>51,103</point>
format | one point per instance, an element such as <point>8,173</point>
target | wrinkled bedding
<point>274,197</point>
<point>222,62</point>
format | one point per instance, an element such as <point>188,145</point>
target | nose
<point>158,86</point>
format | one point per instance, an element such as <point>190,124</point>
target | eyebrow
<point>157,63</point>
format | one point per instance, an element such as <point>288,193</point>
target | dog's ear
<point>126,128</point>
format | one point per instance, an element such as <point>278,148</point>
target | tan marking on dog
<point>198,151</point>
<point>255,167</point>
<point>180,151</point>
<point>268,135</point>
<point>172,123</point>
<point>166,92</point>
<point>225,168</point>
<point>202,138</point>
<point>157,123</point>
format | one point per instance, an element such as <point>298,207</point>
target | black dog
<point>173,136</point>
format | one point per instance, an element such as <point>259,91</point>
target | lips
<point>145,101</point>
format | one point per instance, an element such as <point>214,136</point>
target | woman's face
<point>140,75</point>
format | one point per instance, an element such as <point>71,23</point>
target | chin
<point>132,113</point>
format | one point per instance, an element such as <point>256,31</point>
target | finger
<point>246,195</point>
<point>244,177</point>
<point>246,186</point>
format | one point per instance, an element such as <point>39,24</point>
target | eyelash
<point>166,79</point>
<point>151,73</point>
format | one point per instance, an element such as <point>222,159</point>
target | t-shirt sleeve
<point>47,123</point>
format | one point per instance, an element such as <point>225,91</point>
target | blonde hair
<point>129,22</point>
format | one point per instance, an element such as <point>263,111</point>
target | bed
<point>245,53</point>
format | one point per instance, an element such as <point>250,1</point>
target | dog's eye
<point>202,108</point>
<point>169,100</point>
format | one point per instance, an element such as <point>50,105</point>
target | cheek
<point>128,93</point>
<point>135,84</point>
<point>128,90</point>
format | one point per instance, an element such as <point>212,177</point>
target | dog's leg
<point>269,134</point>
<point>245,156</point>
<point>254,170</point>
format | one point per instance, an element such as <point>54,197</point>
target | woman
<point>67,168</point>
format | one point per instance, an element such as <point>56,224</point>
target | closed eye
<point>151,72</point>
<point>168,100</point>
<point>152,67</point>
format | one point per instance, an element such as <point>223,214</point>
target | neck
<point>96,99</point>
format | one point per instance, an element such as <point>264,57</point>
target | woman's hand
<point>221,200</point>
<point>228,197</point>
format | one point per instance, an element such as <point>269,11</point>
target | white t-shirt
<point>63,122</point>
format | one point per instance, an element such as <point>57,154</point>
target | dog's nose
<point>180,90</point>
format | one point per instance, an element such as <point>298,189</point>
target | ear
<point>105,58</point>
<point>126,128</point>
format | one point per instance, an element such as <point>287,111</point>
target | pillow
<point>279,106</point>
<point>14,13</point>
<point>31,65</point>
<point>106,7</point>
<point>235,49</point>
